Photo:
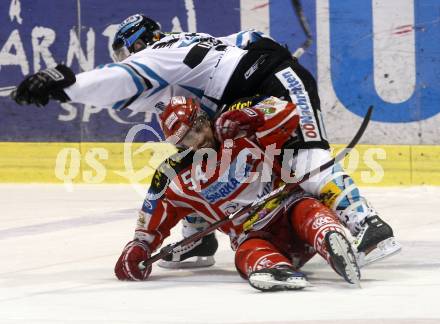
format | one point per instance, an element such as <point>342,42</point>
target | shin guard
<point>311,220</point>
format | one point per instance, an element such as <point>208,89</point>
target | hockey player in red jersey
<point>218,70</point>
<point>271,244</point>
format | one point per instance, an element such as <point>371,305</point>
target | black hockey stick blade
<point>259,202</point>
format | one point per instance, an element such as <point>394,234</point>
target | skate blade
<point>384,249</point>
<point>341,247</point>
<point>266,282</point>
<point>199,262</point>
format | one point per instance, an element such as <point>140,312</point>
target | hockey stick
<point>263,200</point>
<point>297,6</point>
<point>6,91</point>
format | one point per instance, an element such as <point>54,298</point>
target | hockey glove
<point>235,122</point>
<point>47,84</point>
<point>127,267</point>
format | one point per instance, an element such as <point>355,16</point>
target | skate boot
<point>375,241</point>
<point>342,258</point>
<point>198,254</point>
<point>279,278</point>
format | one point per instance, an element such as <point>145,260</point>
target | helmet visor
<point>138,46</point>
<point>121,54</point>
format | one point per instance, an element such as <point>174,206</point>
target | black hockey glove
<point>47,84</point>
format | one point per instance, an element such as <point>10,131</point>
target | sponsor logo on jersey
<point>255,66</point>
<point>268,110</point>
<point>149,205</point>
<point>269,101</point>
<point>308,125</point>
<point>229,208</point>
<point>220,190</point>
<point>225,186</point>
<point>240,105</point>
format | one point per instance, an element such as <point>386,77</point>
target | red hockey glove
<point>127,266</point>
<point>231,123</point>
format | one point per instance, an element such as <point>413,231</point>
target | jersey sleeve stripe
<point>198,92</point>
<point>239,40</point>
<point>153,75</point>
<point>147,82</point>
<point>125,103</point>
<point>255,36</point>
<point>139,82</point>
<point>180,193</point>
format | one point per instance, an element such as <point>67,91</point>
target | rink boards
<point>362,53</point>
<point>99,163</point>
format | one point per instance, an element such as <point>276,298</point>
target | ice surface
<point>58,249</point>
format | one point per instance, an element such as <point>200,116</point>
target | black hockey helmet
<point>134,34</point>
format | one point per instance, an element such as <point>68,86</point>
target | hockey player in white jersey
<point>155,66</point>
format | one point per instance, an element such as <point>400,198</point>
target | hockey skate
<point>274,279</point>
<point>342,258</point>
<point>375,241</point>
<point>198,254</point>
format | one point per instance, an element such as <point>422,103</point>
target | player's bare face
<point>200,136</point>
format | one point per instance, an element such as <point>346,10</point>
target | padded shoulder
<point>170,168</point>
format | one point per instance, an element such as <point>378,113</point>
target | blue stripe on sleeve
<point>255,36</point>
<point>119,104</point>
<point>239,40</point>
<point>198,92</point>
<point>140,86</point>
<point>153,75</point>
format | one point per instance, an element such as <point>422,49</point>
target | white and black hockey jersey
<point>180,64</point>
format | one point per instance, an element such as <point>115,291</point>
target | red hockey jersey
<point>214,184</point>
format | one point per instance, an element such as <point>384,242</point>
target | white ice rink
<point>58,249</point>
